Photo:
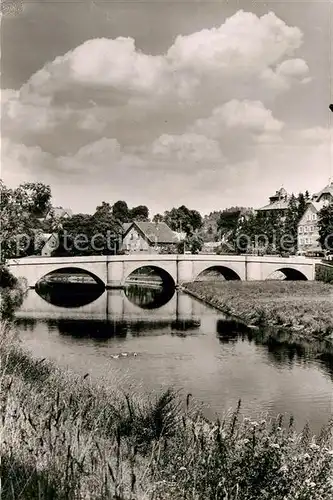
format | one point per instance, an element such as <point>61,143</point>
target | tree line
<point>27,212</point>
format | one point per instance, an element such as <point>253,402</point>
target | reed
<point>64,437</point>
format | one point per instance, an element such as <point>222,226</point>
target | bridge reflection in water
<point>138,340</point>
<point>89,311</point>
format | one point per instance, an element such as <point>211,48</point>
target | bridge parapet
<point>112,271</point>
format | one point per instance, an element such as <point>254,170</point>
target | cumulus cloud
<point>186,148</point>
<point>109,115</point>
<point>244,58</point>
<point>251,116</point>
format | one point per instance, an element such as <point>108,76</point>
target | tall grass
<point>304,309</point>
<point>63,437</point>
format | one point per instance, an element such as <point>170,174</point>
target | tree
<point>183,219</point>
<point>302,201</point>
<point>291,223</point>
<point>121,211</point>
<point>325,223</point>
<point>38,197</point>
<point>158,218</point>
<point>19,212</point>
<point>139,213</point>
<point>228,222</point>
<point>194,243</point>
<point>85,234</point>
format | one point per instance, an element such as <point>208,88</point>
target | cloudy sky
<point>208,104</point>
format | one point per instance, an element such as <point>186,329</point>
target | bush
<point>7,280</point>
<point>324,272</point>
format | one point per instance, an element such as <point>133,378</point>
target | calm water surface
<point>170,339</point>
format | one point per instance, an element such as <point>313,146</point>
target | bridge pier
<point>184,271</point>
<point>115,274</point>
<point>254,271</point>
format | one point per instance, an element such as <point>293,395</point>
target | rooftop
<point>155,232</point>
<point>276,205</point>
<point>59,212</point>
<point>326,190</point>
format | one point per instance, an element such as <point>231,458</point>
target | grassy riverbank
<point>66,438</point>
<point>302,310</point>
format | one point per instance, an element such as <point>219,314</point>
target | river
<point>144,339</point>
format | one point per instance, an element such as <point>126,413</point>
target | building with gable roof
<point>326,194</point>
<point>279,203</point>
<point>59,213</point>
<point>149,237</point>
<point>46,243</point>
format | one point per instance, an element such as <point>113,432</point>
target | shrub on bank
<point>7,280</point>
<point>64,437</point>
<point>324,272</point>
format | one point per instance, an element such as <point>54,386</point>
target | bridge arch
<point>72,271</point>
<point>290,273</point>
<point>222,271</point>
<point>166,279</point>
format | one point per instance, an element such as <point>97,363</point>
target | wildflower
<point>284,468</point>
<point>310,483</point>
<point>314,447</point>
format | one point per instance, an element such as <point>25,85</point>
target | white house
<point>308,229</point>
<point>149,237</point>
<point>59,213</point>
<point>49,242</point>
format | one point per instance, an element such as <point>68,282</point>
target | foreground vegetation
<point>302,309</point>
<point>324,271</point>
<point>66,438</point>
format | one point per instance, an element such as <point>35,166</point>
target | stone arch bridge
<point>112,271</point>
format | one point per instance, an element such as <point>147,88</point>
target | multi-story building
<point>278,203</point>
<point>308,229</point>
<point>325,194</point>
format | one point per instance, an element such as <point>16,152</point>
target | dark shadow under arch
<point>56,289</point>
<point>73,271</point>
<point>151,275</point>
<point>290,274</point>
<point>213,273</point>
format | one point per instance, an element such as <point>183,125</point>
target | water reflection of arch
<point>112,305</point>
<point>148,297</point>
<point>69,295</point>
